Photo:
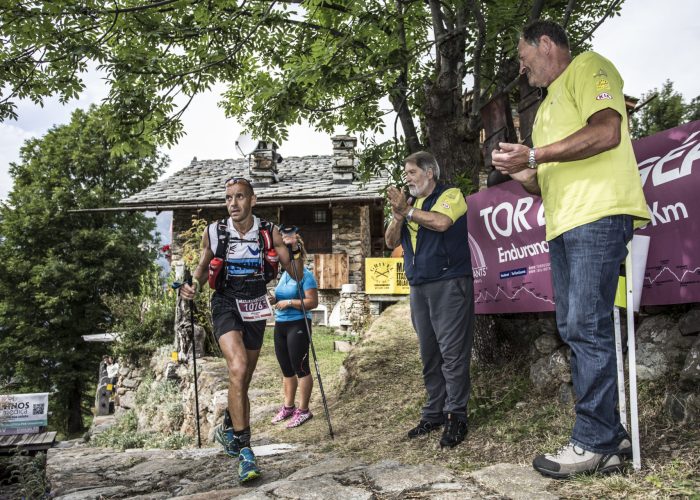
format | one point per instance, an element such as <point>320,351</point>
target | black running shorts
<point>226,318</point>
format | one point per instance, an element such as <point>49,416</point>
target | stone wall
<point>351,235</point>
<point>160,369</point>
<point>668,348</point>
<point>354,312</point>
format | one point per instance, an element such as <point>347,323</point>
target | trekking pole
<point>176,285</point>
<point>311,342</point>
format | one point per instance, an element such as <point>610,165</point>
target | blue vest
<point>439,255</point>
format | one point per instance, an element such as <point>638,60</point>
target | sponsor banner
<point>669,165</point>
<point>510,257</point>
<point>23,413</point>
<point>385,276</point>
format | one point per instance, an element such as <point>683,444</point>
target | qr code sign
<point>38,409</point>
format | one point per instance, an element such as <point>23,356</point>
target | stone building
<point>340,218</point>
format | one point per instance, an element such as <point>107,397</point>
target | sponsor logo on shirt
<point>445,205</point>
<point>602,96</point>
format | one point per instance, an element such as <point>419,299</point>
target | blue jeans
<point>585,268</point>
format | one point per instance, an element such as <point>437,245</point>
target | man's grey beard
<point>418,191</point>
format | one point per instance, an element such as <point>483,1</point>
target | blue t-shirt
<point>287,289</point>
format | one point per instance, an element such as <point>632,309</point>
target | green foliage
<point>144,320</point>
<point>692,111</point>
<point>57,265</point>
<point>665,111</point>
<point>24,474</point>
<point>151,398</point>
<point>334,64</point>
<point>465,184</point>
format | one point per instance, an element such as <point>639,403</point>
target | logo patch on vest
<point>445,205</point>
<point>602,96</point>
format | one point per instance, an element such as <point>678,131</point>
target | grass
<point>380,395</point>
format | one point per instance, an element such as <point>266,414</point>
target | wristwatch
<point>289,303</point>
<point>531,159</point>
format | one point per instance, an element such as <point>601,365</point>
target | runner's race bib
<point>254,309</point>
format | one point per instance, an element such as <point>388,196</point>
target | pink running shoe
<point>299,418</point>
<point>284,414</point>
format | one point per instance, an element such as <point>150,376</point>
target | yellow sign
<point>385,276</point>
<point>173,356</point>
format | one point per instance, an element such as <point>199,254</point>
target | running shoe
<point>227,440</point>
<point>247,465</point>
<point>299,418</point>
<point>283,414</point>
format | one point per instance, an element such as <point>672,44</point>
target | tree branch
<point>567,15</point>
<point>536,10</point>
<point>474,115</point>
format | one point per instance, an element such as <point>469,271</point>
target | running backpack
<point>270,264</point>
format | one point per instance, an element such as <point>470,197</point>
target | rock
<point>128,400</point>
<point>130,383</point>
<point>342,346</point>
<point>683,408</point>
<point>332,466</point>
<point>548,325</point>
<point>651,362</point>
<point>320,488</point>
<point>690,374</point>
<point>548,372</point>
<point>391,477</point>
<point>661,349</point>
<point>566,394</point>
<point>203,474</point>
<point>171,372</point>
<point>539,374</point>
<point>548,343</point>
<point>514,481</point>
<point>689,324</point>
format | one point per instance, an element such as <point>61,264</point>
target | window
<point>314,225</point>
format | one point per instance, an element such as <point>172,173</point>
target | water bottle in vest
<point>272,259</point>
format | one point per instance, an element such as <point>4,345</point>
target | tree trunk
<point>450,139</point>
<point>74,422</point>
<point>456,153</point>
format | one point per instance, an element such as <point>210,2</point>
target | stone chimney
<point>263,166</point>
<point>344,159</point>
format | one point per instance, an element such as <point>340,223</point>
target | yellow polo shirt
<point>451,203</point>
<point>582,191</point>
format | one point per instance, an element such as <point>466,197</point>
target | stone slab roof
<point>300,178</point>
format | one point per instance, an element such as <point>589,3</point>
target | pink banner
<point>510,257</point>
<point>669,163</point>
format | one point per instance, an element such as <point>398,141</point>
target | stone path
<point>289,472</point>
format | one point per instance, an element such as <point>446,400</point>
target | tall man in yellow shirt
<point>431,226</point>
<point>583,165</point>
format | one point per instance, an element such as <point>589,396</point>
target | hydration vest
<point>269,266</point>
